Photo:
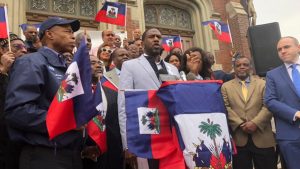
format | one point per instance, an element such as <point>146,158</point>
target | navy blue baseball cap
<point>53,21</point>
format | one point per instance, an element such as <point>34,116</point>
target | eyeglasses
<point>19,46</point>
<point>106,50</point>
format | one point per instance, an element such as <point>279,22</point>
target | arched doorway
<point>171,21</point>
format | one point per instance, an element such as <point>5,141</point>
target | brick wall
<point>238,26</point>
<point>130,24</point>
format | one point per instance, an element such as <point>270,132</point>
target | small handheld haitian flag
<point>200,114</point>
<point>113,13</point>
<point>3,22</point>
<point>220,29</point>
<point>96,128</point>
<point>171,42</point>
<point>148,127</point>
<point>69,109</point>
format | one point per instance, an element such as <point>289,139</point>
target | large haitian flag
<point>200,115</point>
<point>149,132</point>
<point>220,29</point>
<point>113,13</point>
<point>74,104</point>
<point>171,42</point>
<point>3,22</point>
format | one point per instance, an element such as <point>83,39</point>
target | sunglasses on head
<point>106,50</point>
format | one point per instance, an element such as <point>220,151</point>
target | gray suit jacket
<point>113,77</point>
<point>137,74</point>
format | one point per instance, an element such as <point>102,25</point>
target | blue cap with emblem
<point>53,21</point>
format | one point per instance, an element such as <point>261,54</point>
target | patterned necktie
<point>244,90</point>
<point>296,78</point>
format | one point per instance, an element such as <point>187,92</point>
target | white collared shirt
<point>289,67</point>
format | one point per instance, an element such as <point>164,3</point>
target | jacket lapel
<point>146,65</point>
<point>251,88</point>
<point>237,86</point>
<point>113,77</point>
<point>286,77</point>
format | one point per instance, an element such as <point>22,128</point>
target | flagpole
<point>7,27</point>
<point>180,42</point>
<point>232,46</point>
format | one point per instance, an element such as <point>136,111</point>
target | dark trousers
<point>263,158</point>
<point>35,157</point>
<point>153,164</point>
<point>291,153</point>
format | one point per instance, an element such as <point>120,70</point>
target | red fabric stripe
<point>109,85</point>
<point>3,30</point>
<point>174,160</point>
<point>225,37</point>
<point>166,47</point>
<point>101,17</point>
<point>97,135</point>
<point>161,144</point>
<point>177,44</point>
<point>60,117</point>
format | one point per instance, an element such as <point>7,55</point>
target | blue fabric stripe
<point>139,144</point>
<point>2,14</point>
<point>192,98</point>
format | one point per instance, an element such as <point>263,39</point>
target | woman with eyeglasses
<point>103,54</point>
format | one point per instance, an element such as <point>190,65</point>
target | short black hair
<point>167,59</point>
<point>145,33</point>
<point>238,57</point>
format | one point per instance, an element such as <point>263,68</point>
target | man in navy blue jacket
<point>282,97</point>
<point>33,82</point>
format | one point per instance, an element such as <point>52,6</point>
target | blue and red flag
<point>171,42</point>
<point>200,116</point>
<point>113,13</point>
<point>74,104</point>
<point>3,22</point>
<point>149,134</point>
<point>105,82</point>
<point>96,127</point>
<point>220,29</point>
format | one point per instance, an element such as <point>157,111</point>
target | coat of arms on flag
<point>148,120</point>
<point>113,13</point>
<point>220,29</point>
<point>71,85</point>
<point>200,114</point>
<point>171,42</point>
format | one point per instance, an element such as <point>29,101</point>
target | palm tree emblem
<point>212,131</point>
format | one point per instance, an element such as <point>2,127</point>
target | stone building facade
<point>171,17</point>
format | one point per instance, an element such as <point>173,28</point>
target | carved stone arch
<point>39,10</point>
<point>199,11</point>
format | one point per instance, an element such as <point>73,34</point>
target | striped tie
<point>244,90</point>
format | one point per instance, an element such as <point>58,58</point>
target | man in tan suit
<point>249,119</point>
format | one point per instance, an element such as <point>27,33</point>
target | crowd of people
<point>31,71</point>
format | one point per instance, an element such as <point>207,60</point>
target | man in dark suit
<point>283,100</point>
<point>249,119</point>
<point>115,158</point>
